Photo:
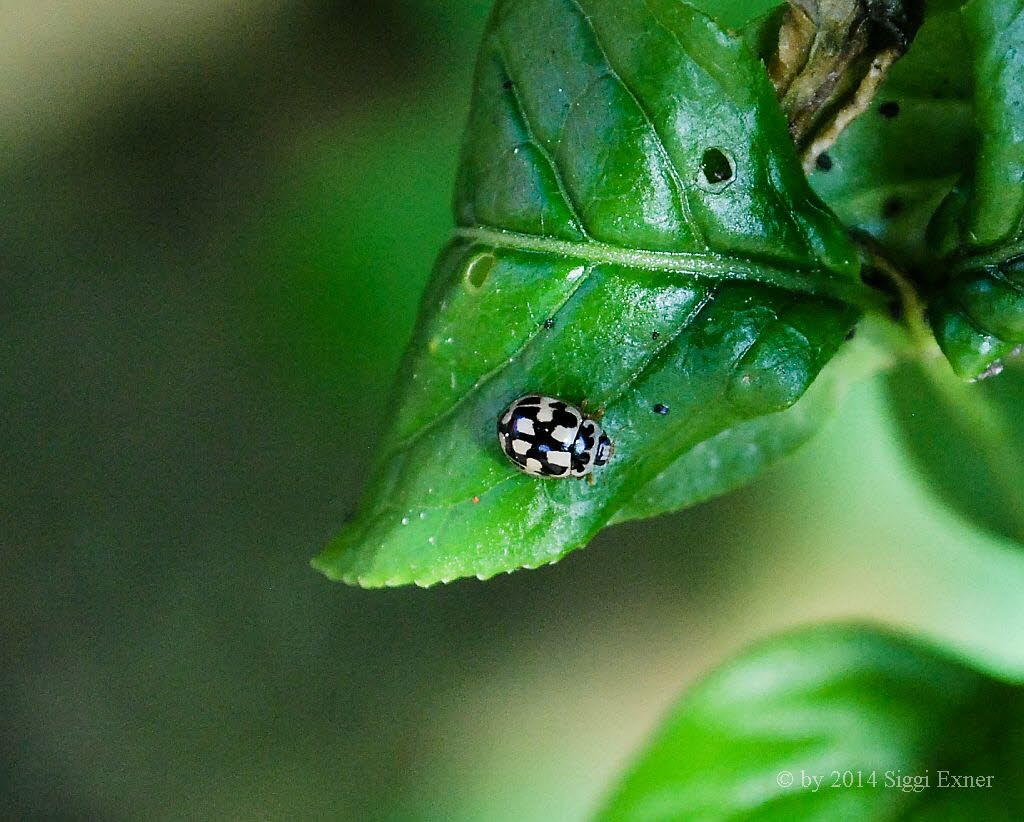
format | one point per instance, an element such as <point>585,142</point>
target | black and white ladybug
<point>546,437</point>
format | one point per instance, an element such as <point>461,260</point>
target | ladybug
<point>545,437</point>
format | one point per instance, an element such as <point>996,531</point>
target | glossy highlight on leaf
<point>595,261</point>
<point>978,315</point>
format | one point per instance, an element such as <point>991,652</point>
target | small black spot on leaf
<point>549,323</point>
<point>655,335</point>
<point>824,162</point>
<point>889,109</point>
<point>660,409</point>
<point>892,207</point>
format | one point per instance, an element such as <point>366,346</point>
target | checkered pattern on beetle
<point>546,437</point>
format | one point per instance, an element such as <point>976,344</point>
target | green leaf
<point>879,178</point>
<point>740,453</point>
<point>736,15</point>
<point>599,260</point>
<point>824,703</point>
<point>735,456</point>
<point>977,313</point>
<point>968,441</point>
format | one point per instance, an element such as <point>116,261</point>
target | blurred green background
<point>216,222</point>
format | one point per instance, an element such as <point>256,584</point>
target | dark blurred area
<point>209,271</point>
<point>216,225</point>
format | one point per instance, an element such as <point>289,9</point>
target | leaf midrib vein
<point>700,265</point>
<point>703,265</point>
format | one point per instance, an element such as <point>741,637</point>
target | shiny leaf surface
<point>634,230</point>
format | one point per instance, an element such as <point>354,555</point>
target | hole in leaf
<point>715,166</point>
<point>478,270</point>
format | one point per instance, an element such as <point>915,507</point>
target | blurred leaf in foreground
<point>835,704</point>
<point>635,231</point>
<point>968,440</point>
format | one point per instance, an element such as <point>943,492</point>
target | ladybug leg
<point>591,479</point>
